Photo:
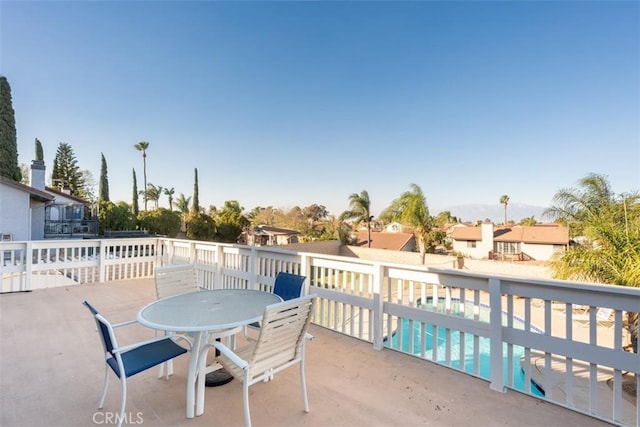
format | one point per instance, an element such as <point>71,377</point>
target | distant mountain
<point>495,212</point>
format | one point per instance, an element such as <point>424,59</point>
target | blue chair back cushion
<point>103,328</point>
<point>140,358</point>
<point>288,286</point>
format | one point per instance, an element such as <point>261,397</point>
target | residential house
<point>392,240</point>
<point>36,212</point>
<point>515,242</point>
<point>396,227</point>
<point>263,235</point>
<point>22,210</point>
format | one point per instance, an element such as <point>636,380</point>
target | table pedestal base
<point>218,378</point>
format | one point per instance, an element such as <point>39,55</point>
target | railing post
<point>170,252</point>
<point>28,255</point>
<point>495,334</point>
<point>219,260</point>
<point>378,305</point>
<point>305,270</point>
<point>193,256</point>
<point>253,268</point>
<point>102,268</point>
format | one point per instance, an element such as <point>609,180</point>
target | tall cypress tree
<point>103,185</point>
<point>8,142</point>
<point>195,208</point>
<point>39,153</point>
<point>135,206</point>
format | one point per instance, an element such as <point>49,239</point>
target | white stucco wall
<point>479,252</point>
<point>37,220</point>
<point>14,213</point>
<point>539,252</point>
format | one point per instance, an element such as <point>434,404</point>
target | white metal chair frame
<point>116,354</point>
<point>172,280</point>
<point>280,345</point>
<point>175,279</point>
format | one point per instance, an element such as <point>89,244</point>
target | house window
<point>471,243</point>
<point>54,213</point>
<point>507,248</point>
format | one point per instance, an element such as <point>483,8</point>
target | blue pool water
<point>484,350</point>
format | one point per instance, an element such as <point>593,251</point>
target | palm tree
<point>411,209</point>
<point>504,200</point>
<point>530,221</point>
<point>576,207</point>
<point>182,203</point>
<point>444,218</point>
<point>611,226</point>
<point>360,211</point>
<point>143,146</point>
<point>169,193</point>
<point>153,193</point>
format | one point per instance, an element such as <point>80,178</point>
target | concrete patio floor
<point>51,371</point>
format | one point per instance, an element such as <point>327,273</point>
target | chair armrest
<point>241,363</point>
<point>128,322</point>
<point>126,348</point>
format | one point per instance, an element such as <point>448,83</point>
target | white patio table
<point>201,314</point>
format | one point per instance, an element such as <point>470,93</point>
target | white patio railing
<point>516,333</point>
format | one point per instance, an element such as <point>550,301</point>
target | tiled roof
<point>384,240</point>
<point>264,229</point>
<point>466,233</point>
<point>538,234</point>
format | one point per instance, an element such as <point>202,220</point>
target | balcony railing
<point>70,229</point>
<point>495,327</point>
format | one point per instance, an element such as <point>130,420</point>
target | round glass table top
<point>207,310</point>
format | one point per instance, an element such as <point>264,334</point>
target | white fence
<point>517,333</point>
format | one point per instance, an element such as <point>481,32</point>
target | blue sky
<point>292,103</point>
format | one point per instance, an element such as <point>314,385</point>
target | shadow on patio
<point>51,371</point>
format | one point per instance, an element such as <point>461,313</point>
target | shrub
<point>115,217</point>
<point>160,221</point>
<point>200,227</point>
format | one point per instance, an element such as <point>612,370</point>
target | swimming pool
<point>484,361</point>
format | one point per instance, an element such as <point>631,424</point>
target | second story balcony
<point>394,344</point>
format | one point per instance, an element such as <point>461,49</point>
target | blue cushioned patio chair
<point>287,286</point>
<point>129,360</point>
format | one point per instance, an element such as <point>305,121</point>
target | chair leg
<point>303,382</point>
<point>245,398</point>
<point>104,387</point>
<point>123,381</point>
<point>168,365</point>
<point>169,368</point>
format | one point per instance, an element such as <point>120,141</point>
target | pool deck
<point>580,393</point>
<point>51,371</point>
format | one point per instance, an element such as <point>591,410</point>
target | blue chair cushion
<point>288,286</point>
<point>146,356</point>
